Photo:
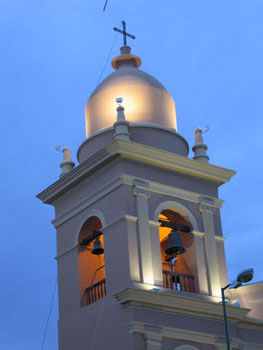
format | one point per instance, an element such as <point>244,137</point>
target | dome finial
<point>126,58</point>
<point>124,33</point>
<point>121,126</point>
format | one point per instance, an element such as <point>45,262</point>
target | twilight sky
<point>208,54</point>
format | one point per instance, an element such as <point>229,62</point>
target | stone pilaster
<point>144,235</point>
<point>153,341</point>
<point>207,212</point>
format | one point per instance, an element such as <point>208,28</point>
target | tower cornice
<point>140,153</point>
<point>195,305</point>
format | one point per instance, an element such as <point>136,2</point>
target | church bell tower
<point>140,250</point>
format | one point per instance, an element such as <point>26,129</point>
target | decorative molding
<point>203,234</point>
<point>207,204</point>
<point>66,252</point>
<point>185,347</point>
<point>173,333</point>
<point>250,346</point>
<point>153,340</point>
<point>157,187</point>
<point>206,209</point>
<point>141,153</point>
<point>154,223</point>
<point>251,323</point>
<point>193,304</point>
<point>119,221</point>
<point>75,175</point>
<point>147,186</point>
<point>188,335</point>
<point>87,202</point>
<point>220,238</point>
<point>89,214</point>
<point>141,192</point>
<point>198,233</point>
<point>104,229</point>
<point>164,159</point>
<point>178,206</point>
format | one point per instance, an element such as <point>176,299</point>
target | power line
<point>104,8</point>
<point>49,314</point>
<point>103,69</point>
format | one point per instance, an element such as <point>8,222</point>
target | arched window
<point>186,347</point>
<point>91,266</point>
<point>177,268</point>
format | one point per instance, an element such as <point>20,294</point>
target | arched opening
<point>177,268</point>
<point>186,347</point>
<point>91,262</point>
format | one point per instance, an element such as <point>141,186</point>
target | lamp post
<point>243,277</point>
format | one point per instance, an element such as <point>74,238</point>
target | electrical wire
<point>49,313</point>
<point>107,59</point>
<point>104,8</point>
<point>96,321</point>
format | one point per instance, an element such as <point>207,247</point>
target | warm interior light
<point>91,267</point>
<point>179,263</point>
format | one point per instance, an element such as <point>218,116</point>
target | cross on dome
<point>124,33</point>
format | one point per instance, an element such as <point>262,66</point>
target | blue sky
<point>209,56</point>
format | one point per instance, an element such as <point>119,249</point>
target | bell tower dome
<point>146,99</point>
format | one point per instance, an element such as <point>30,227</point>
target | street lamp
<point>243,277</point>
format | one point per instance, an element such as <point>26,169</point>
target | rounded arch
<point>185,347</point>
<point>91,258</point>
<point>177,248</point>
<point>89,214</point>
<point>181,209</point>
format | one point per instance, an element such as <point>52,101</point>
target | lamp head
<point>245,275</point>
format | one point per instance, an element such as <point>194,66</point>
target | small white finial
<point>199,147</point>
<point>67,163</point>
<point>119,100</point>
<point>121,126</point>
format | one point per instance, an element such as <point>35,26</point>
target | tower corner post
<point>199,147</point>
<point>67,163</point>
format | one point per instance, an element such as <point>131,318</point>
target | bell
<point>97,248</point>
<point>174,244</point>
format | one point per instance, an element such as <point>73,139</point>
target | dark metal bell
<point>97,248</point>
<point>174,244</point>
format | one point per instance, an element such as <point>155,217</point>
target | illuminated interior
<point>91,267</point>
<point>183,262</point>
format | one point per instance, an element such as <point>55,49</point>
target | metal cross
<point>124,33</point>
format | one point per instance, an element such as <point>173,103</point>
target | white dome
<point>145,99</point>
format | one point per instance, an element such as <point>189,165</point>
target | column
<point>144,235</point>
<point>210,249</point>
<point>153,341</point>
